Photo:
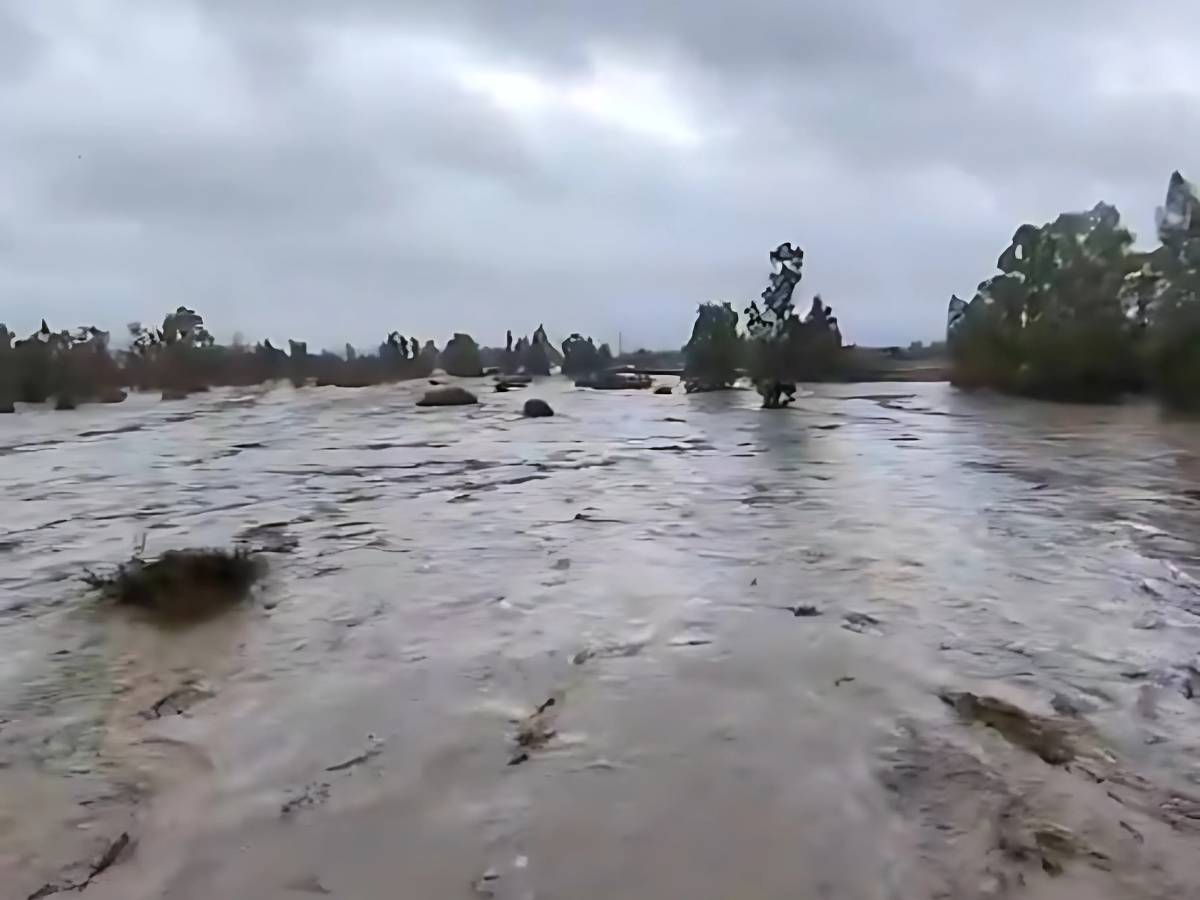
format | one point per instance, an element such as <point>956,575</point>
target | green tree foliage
<point>1055,322</point>
<point>713,354</point>
<point>784,348</point>
<point>461,357</point>
<point>535,359</point>
<point>1173,336</point>
<point>8,371</point>
<point>580,356</point>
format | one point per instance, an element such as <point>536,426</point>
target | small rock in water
<point>663,389</point>
<point>536,409</point>
<point>803,611</point>
<point>448,396</point>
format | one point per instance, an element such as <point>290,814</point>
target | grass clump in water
<point>182,584</point>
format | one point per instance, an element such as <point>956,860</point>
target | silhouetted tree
<point>772,328</point>
<point>1056,321</point>
<point>461,357</point>
<point>536,358</point>
<point>714,351</point>
<point>580,356</point>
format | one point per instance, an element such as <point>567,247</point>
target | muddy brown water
<point>356,729</point>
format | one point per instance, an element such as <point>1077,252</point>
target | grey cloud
<point>271,160</point>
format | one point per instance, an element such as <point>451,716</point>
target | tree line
<point>180,357</point>
<point>1075,313</point>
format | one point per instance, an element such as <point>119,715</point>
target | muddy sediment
<point>796,655</point>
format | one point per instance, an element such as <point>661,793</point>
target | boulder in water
<point>173,394</point>
<point>514,380</point>
<point>448,396</point>
<point>615,381</point>
<point>111,395</point>
<point>663,389</point>
<point>64,403</point>
<point>537,409</point>
<point>6,406</point>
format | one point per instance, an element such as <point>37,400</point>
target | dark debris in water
<point>179,701</point>
<point>182,584</point>
<point>858,622</point>
<point>110,857</point>
<point>1037,734</point>
<point>311,795</point>
<point>374,749</point>
<point>586,517</point>
<point>804,611</point>
<point>536,731</point>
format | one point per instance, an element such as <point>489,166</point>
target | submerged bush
<point>182,584</point>
<point>461,357</point>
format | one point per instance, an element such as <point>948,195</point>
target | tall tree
<point>714,351</point>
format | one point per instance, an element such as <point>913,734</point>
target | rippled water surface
<point>437,575</point>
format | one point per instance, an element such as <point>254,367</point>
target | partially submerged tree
<point>783,348</point>
<point>461,357</point>
<point>580,356</point>
<point>713,354</point>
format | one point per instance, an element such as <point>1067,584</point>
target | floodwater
<point>437,575</point>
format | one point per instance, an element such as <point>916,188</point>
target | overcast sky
<point>333,170</point>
